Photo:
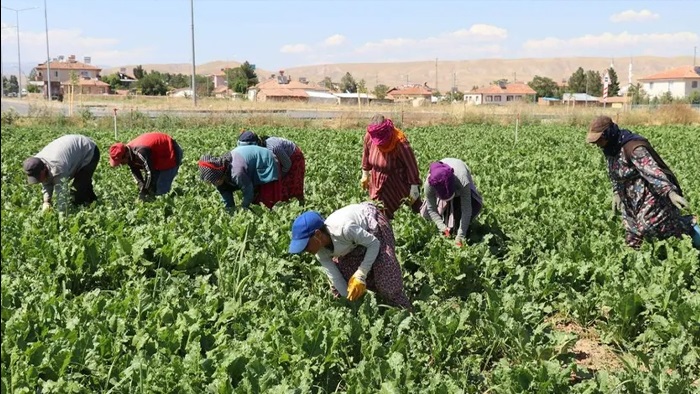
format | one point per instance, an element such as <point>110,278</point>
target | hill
<point>462,73</point>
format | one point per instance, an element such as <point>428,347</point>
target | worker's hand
<point>446,232</point>
<point>364,182</point>
<point>677,200</point>
<point>617,203</point>
<point>356,286</point>
<point>459,241</point>
<point>415,193</point>
<point>45,206</point>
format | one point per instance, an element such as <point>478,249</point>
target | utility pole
<point>436,74</point>
<point>48,56</point>
<point>19,59</point>
<point>695,54</point>
<point>194,84</point>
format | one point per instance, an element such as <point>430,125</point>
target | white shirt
<point>349,227</point>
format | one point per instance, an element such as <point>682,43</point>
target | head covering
<point>303,229</point>
<point>116,153</point>
<point>247,137</point>
<point>33,167</point>
<point>211,168</point>
<point>603,126</point>
<point>441,179</point>
<point>381,133</point>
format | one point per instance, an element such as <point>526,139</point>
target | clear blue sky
<point>279,34</point>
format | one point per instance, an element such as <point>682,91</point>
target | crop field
<point>178,296</point>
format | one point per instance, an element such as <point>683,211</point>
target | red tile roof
<point>281,92</point>
<point>685,72</point>
<point>410,91</point>
<point>511,88</point>
<point>68,66</point>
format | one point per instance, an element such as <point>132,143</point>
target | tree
<point>545,87</point>
<point>153,84</point>
<point>32,75</point>
<point>348,84</point>
<point>503,81</point>
<point>138,72</point>
<point>694,98</point>
<point>666,98</point>
<point>113,81</point>
<point>328,84</point>
<point>10,85</point>
<point>594,83</point>
<point>31,88</point>
<point>204,85</point>
<point>577,81</point>
<point>454,95</point>
<point>380,91</point>
<point>240,78</point>
<point>362,86</point>
<point>249,72</point>
<point>614,83</point>
<point>637,94</point>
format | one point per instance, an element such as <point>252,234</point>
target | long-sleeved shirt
<point>283,150</point>
<point>64,156</point>
<point>348,227</point>
<point>152,152</point>
<point>463,187</point>
<point>251,165</point>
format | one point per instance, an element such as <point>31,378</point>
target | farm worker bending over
<point>389,167</point>
<point>452,200</point>
<point>645,190</point>
<point>156,154</point>
<point>355,246</point>
<point>290,158</point>
<point>251,169</point>
<point>71,156</point>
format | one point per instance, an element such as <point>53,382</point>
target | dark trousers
<point>82,190</point>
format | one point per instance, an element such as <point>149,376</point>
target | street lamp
<point>2,69</point>
<point>19,59</point>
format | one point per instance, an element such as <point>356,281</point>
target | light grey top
<point>64,156</point>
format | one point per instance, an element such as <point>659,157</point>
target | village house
<point>680,82</point>
<point>62,71</point>
<point>410,93</point>
<point>282,88</point>
<point>501,93</point>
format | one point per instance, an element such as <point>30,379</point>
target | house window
<point>496,98</point>
<point>85,74</point>
<point>509,98</point>
<point>55,73</point>
<point>694,84</point>
<point>651,85</point>
<point>489,99</point>
<point>518,98</point>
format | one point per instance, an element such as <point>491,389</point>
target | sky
<point>278,34</point>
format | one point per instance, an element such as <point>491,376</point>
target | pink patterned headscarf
<point>381,133</point>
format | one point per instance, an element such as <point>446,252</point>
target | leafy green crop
<point>179,296</point>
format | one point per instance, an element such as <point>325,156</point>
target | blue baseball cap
<point>303,229</point>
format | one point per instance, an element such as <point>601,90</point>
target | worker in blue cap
<point>355,246</point>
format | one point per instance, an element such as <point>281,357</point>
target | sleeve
<point>144,154</point>
<point>246,185</point>
<point>466,207</point>
<point>365,153</point>
<point>47,190</point>
<point>410,163</point>
<point>334,275</point>
<point>617,186</point>
<point>284,160</point>
<point>227,197</point>
<point>362,237</point>
<point>431,201</point>
<point>651,172</point>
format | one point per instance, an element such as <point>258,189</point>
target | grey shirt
<point>64,156</point>
<point>283,150</point>
<point>462,182</point>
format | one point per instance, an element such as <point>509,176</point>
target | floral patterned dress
<point>643,188</point>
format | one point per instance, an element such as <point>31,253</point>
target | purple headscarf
<point>381,133</point>
<point>441,179</point>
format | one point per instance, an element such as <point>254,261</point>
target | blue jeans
<point>164,179</point>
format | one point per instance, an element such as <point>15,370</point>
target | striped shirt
<point>283,150</point>
<point>392,174</point>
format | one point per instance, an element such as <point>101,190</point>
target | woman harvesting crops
<point>451,198</point>
<point>645,190</point>
<point>355,246</point>
<point>389,167</point>
<point>251,169</point>
<point>156,154</point>
<point>291,160</point>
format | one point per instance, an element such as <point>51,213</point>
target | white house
<point>680,82</point>
<point>499,94</point>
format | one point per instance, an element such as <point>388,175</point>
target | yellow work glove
<point>364,182</point>
<point>356,287</point>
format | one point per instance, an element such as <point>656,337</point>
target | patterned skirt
<point>293,181</point>
<point>385,277</point>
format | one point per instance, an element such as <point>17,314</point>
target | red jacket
<point>157,148</point>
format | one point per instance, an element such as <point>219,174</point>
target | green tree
<point>250,74</point>
<point>362,86</point>
<point>32,76</point>
<point>666,98</point>
<point>637,95</point>
<point>204,85</point>
<point>152,84</point>
<point>594,83</point>
<point>240,78</point>
<point>112,80</point>
<point>545,87</point>
<point>380,91</point>
<point>500,81</point>
<point>31,88</point>
<point>138,72</point>
<point>10,85</point>
<point>614,83</point>
<point>328,84</point>
<point>348,84</point>
<point>694,98</point>
<point>454,95</point>
<point>577,81</point>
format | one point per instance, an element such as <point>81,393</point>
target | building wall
<point>64,75</point>
<point>659,88</point>
<point>476,99</point>
<point>692,85</point>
